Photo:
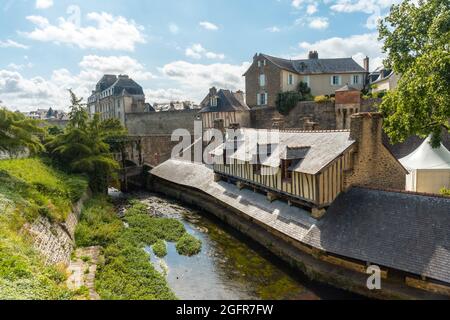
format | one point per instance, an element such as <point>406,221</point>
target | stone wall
<point>315,265</point>
<point>322,113</point>
<point>142,124</point>
<point>156,149</point>
<point>373,163</point>
<point>55,241</point>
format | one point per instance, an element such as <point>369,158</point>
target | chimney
<point>366,129</point>
<point>366,64</point>
<point>278,123</point>
<point>313,55</point>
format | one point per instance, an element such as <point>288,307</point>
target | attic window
<point>213,101</point>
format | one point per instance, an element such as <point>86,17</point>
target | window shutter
<point>331,80</point>
<point>257,99</point>
<point>265,98</point>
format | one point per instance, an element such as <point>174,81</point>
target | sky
<point>175,49</point>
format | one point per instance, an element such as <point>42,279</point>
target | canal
<point>230,265</point>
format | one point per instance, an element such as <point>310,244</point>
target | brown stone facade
<point>252,85</point>
<point>373,164</point>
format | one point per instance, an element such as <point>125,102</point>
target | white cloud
<point>296,3</point>
<point>375,8</point>
<point>14,66</point>
<point>109,33</point>
<point>273,29</point>
<point>164,95</point>
<point>17,91</point>
<point>356,46</point>
<point>319,23</point>
<point>311,9</point>
<point>208,25</point>
<point>115,65</point>
<point>197,51</point>
<point>173,28</point>
<point>44,4</point>
<point>27,94</point>
<point>195,79</point>
<point>12,44</point>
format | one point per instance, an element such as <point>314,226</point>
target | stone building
<point>224,105</point>
<point>268,76</point>
<point>115,96</point>
<point>310,168</point>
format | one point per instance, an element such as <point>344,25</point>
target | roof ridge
<point>423,194</point>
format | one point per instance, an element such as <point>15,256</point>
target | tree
<point>19,133</point>
<point>85,146</point>
<point>416,40</point>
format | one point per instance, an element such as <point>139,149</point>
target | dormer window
<point>213,101</point>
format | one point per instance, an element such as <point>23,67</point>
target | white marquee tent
<point>429,168</point>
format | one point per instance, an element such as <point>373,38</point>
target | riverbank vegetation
<point>86,146</point>
<point>127,272</point>
<point>30,188</point>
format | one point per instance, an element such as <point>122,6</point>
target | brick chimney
<point>313,55</point>
<point>366,64</point>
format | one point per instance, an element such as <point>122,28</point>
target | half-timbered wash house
<point>225,105</point>
<point>309,168</point>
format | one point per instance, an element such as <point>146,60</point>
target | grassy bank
<point>30,188</point>
<point>127,272</point>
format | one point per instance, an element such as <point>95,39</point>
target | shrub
<point>445,192</point>
<point>160,248</point>
<point>321,99</point>
<point>188,245</point>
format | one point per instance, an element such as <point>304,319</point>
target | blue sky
<point>174,49</point>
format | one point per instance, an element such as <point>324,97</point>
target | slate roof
<point>315,149</point>
<point>127,86</point>
<point>227,101</point>
<point>408,232</point>
<point>315,66</point>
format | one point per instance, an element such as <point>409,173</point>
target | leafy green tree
<point>416,40</point>
<point>19,133</point>
<point>85,146</point>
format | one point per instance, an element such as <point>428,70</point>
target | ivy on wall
<point>286,101</point>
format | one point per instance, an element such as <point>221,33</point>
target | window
<point>259,64</point>
<point>286,174</point>
<point>355,79</point>
<point>261,99</point>
<point>262,80</point>
<point>213,101</point>
<point>335,80</point>
<point>264,62</point>
<point>290,79</point>
<point>306,80</point>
